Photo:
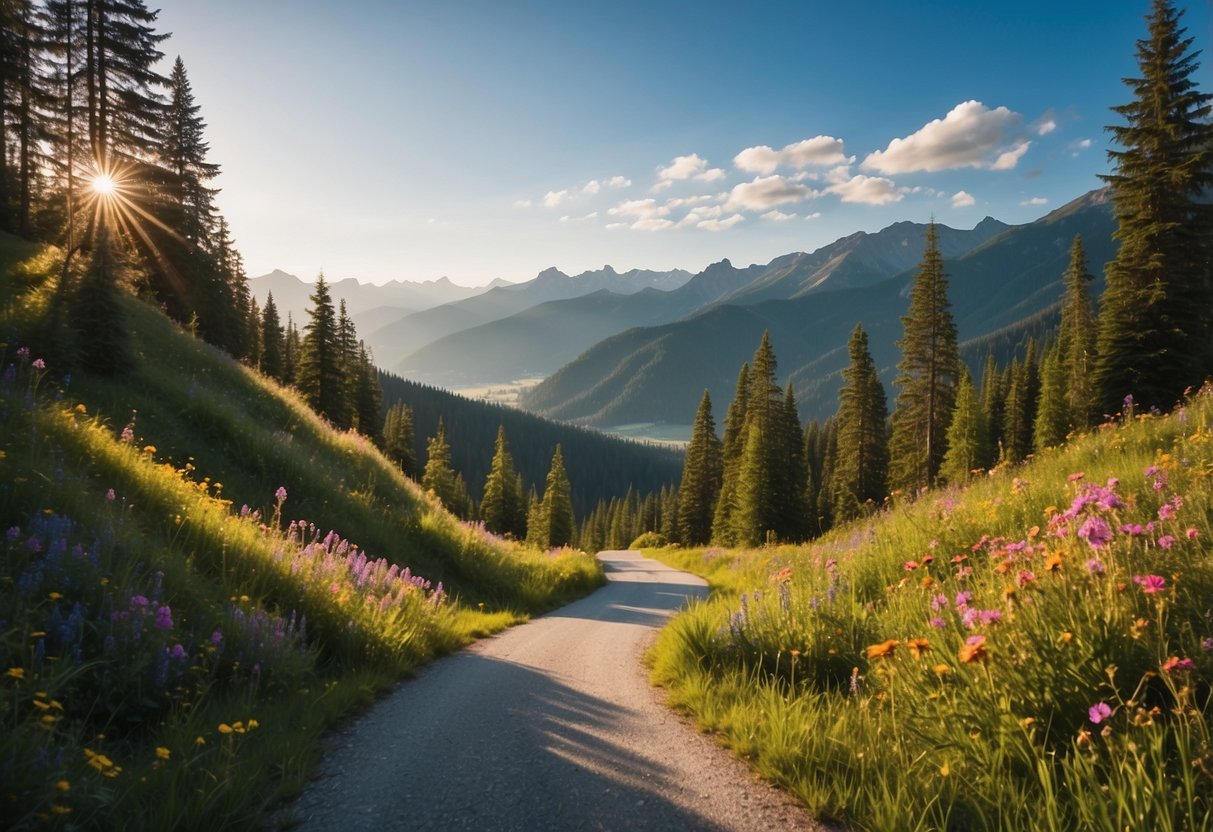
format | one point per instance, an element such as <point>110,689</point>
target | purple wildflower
<point>110,496</point>
<point>164,617</point>
<point>1166,511</point>
<point>1166,541</point>
<point>1150,584</point>
<point>138,601</point>
<point>1096,531</point>
<point>38,364</point>
<point>1098,712</point>
<point>1096,566</point>
<point>939,602</point>
<point>280,494</point>
<point>177,652</point>
<point>938,623</point>
<point>963,598</point>
<point>23,354</point>
<point>1207,645</point>
<point>13,533</point>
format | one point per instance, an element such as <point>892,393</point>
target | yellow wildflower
<point>162,753</point>
<point>224,728</point>
<point>60,810</point>
<point>64,785</point>
<point>16,673</point>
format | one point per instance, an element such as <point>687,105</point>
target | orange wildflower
<point>974,650</point>
<point>917,646</point>
<point>885,648</point>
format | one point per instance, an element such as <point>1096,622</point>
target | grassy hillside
<point>1032,652</point>
<point>197,576</point>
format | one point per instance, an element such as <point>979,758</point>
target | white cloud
<point>1046,127</point>
<point>619,182</point>
<point>711,175</point>
<point>651,224</point>
<point>816,215</point>
<point>685,201</point>
<point>819,150</point>
<point>522,203</point>
<point>615,226</point>
<point>591,187</point>
<point>777,216</point>
<point>720,225</point>
<point>553,198</point>
<point>1081,144</point>
<point>967,137</point>
<point>590,217</point>
<point>962,199</point>
<point>683,167</point>
<point>765,193</point>
<point>1036,200</point>
<point>639,208</point>
<point>867,190</point>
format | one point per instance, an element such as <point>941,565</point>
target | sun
<point>104,185</point>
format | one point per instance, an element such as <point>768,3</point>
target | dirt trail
<point>548,726</point>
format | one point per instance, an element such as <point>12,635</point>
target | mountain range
<point>1005,282</point>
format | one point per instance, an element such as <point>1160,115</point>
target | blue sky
<point>411,140</point>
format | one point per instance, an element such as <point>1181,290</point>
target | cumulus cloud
<point>688,201</point>
<point>651,224</point>
<point>962,199</point>
<point>720,225</point>
<point>590,217</point>
<point>970,136</point>
<point>816,215</point>
<point>1036,200</point>
<point>553,198</point>
<point>777,216</point>
<point>683,167</point>
<point>819,150</point>
<point>591,187</point>
<point>619,182</point>
<point>711,175</point>
<point>767,192</point>
<point>1046,127</point>
<point>639,209</point>
<point>866,190</point>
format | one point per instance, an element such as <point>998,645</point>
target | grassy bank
<point>197,576</point>
<point>1031,652</point>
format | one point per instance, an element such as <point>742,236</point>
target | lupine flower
<point>1098,712</point>
<point>1150,584</point>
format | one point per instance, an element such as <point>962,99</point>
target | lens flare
<point>104,185</point>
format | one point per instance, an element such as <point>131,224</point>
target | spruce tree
<point>1019,418</point>
<point>968,436</point>
<point>319,375</point>
<point>502,509</point>
<point>292,347</point>
<point>367,397</point>
<point>558,504</point>
<point>993,407</point>
<point>271,340</point>
<point>1053,409</point>
<point>97,315</point>
<point>1076,341</point>
<point>439,477</point>
<point>793,508</point>
<point>1155,314</point>
<point>398,438</point>
<point>861,474</point>
<point>929,372</point>
<point>731,450</point>
<point>183,151</point>
<point>702,473</point>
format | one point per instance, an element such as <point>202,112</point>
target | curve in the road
<point>549,726</point>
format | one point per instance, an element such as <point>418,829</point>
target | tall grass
<point>178,620</point>
<point>1031,652</point>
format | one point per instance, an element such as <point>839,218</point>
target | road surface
<point>551,725</point>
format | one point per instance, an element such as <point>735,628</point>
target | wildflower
<point>110,496</point>
<point>16,673</point>
<point>149,449</point>
<point>57,809</point>
<point>1207,645</point>
<point>1028,721</point>
<point>280,494</point>
<point>162,753</point>
<point>224,728</point>
<point>1096,566</point>
<point>1166,511</point>
<point>1166,541</point>
<point>177,652</point>
<point>963,598</point>
<point>885,648</point>
<point>63,785</point>
<point>1098,712</point>
<point>164,617</point>
<point>942,669</point>
<point>23,354</point>
<point>974,650</point>
<point>1193,534</point>
<point>1175,664</point>
<point>1076,476</point>
<point>1096,531</point>
<point>918,646</point>
<point>1026,577</point>
<point>1066,637</point>
<point>783,576</point>
<point>199,740</point>
<point>938,623</point>
<point>38,364</point>
<point>939,602</point>
<point>1135,529</point>
<point>910,565</point>
<point>1150,584</point>
<point>1053,562</point>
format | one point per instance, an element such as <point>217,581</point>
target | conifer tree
<point>97,313</point>
<point>1076,341</point>
<point>367,397</point>
<point>968,436</point>
<point>1019,418</point>
<point>292,346</point>
<point>439,476</point>
<point>1156,313</point>
<point>398,438</point>
<point>502,509</point>
<point>861,473</point>
<point>183,151</point>
<point>271,340</point>
<point>702,473</point>
<point>552,524</point>
<point>731,450</point>
<point>929,372</point>
<point>319,373</point>
<point>993,406</point>
<point>1053,409</point>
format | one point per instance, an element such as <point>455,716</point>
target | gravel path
<point>548,726</point>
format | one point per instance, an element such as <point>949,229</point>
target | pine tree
<point>731,448</point>
<point>702,473</point>
<point>439,477</point>
<point>367,397</point>
<point>793,509</point>
<point>968,436</point>
<point>292,348</point>
<point>1053,409</point>
<point>1019,418</point>
<point>929,372</point>
<point>502,509</point>
<point>398,438</point>
<point>993,406</point>
<point>861,475</point>
<point>272,344</point>
<point>1076,340</point>
<point>320,377</point>
<point>1156,313</point>
<point>552,523</point>
<point>97,313</point>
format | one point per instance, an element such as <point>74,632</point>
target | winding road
<point>551,725</point>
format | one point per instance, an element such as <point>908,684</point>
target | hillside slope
<point>179,622</point>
